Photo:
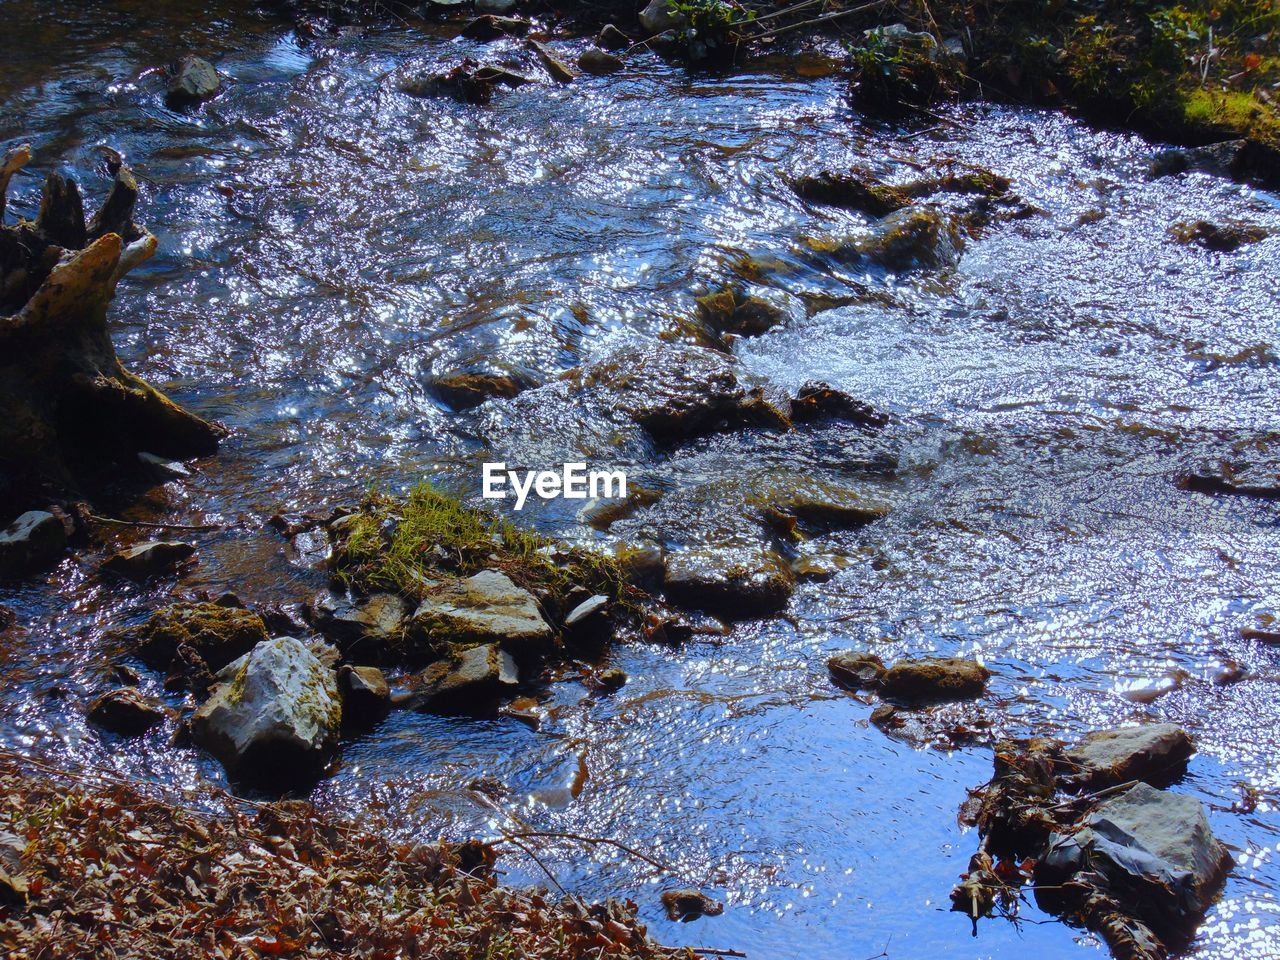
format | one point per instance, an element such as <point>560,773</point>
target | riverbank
<point>91,867</point>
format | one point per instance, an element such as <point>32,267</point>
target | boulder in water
<point>597,61</point>
<point>1219,237</point>
<point>733,581</point>
<point>465,389</point>
<point>126,711</point>
<point>274,715</point>
<point>856,670</point>
<point>852,190</point>
<point>192,80</point>
<point>1154,752</point>
<point>484,608</point>
<point>658,17</point>
<point>361,626</point>
<point>365,694</point>
<point>32,542</point>
<point>194,640</point>
<point>473,679</point>
<point>934,680</point>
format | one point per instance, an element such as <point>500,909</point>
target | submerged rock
<point>854,190</point>
<point>485,608</point>
<point>126,711</point>
<point>469,82</point>
<point>473,679</point>
<point>1246,160</point>
<point>1220,237</point>
<point>1152,851</point>
<point>274,715</point>
<point>466,389</point>
<point>191,640</point>
<point>192,80</point>
<point>915,237</point>
<point>735,582</point>
<point>934,680</point>
<point>149,559</point>
<point>614,678</point>
<point>731,311</point>
<point>1154,752</point>
<point>818,401</point>
<point>1242,479</point>
<point>32,542</point>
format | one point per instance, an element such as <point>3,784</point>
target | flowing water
<point>327,243</point>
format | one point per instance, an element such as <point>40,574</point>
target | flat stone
<point>162,468</point>
<point>274,715</point>
<point>589,619</point>
<point>1157,751</point>
<point>736,581</point>
<point>377,619</point>
<point>934,680</point>
<point>126,711</point>
<point>484,608</point>
<point>149,559</point>
<point>471,680</point>
<point>856,671</point>
<point>1155,851</point>
<point>557,68</point>
<point>32,542</point>
<point>596,61</point>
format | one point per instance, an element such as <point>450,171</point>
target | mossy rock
<point>183,636</point>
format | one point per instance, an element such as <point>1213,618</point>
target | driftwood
<point>68,409</point>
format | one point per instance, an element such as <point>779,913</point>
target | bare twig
<point>156,526</point>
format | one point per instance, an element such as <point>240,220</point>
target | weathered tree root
<point>68,408</point>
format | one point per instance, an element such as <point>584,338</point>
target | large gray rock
<point>1154,850</point>
<point>484,608</point>
<point>33,541</point>
<point>274,715</point>
<point>1104,758</point>
<point>658,17</point>
<point>472,680</point>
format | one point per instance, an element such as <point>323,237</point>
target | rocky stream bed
<point>942,614</point>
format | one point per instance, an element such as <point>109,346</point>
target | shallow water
<point>327,243</point>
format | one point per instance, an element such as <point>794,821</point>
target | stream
<point>328,243</point>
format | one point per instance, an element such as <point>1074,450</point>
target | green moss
<point>402,544</point>
<point>1230,110</point>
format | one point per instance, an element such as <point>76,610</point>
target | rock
<point>589,621</point>
<point>856,190</point>
<point>658,17</point>
<point>822,502</point>
<point>484,608</point>
<point>466,389</point>
<point>32,542</point>
<point>1154,853</point>
<point>1222,238</point>
<point>163,469</point>
<point>819,401</point>
<point>934,680</point>
<point>615,678</point>
<point>524,709</point>
<point>642,564</point>
<point>737,582</point>
<point>192,80</point>
<point>499,7</point>
<point>468,82</point>
<point>194,640</point>
<point>492,27</point>
<point>677,392</point>
<point>274,716</point>
<point>365,626</point>
<point>1245,160</point>
<point>126,711</point>
<point>13,881</point>
<point>1153,752</point>
<point>914,237</point>
<point>559,70</point>
<point>365,694</point>
<point>149,559</point>
<point>1240,479</point>
<point>611,38</point>
<point>730,311</point>
<point>690,904</point>
<point>594,60</point>
<point>856,671</point>
<point>472,679</point>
